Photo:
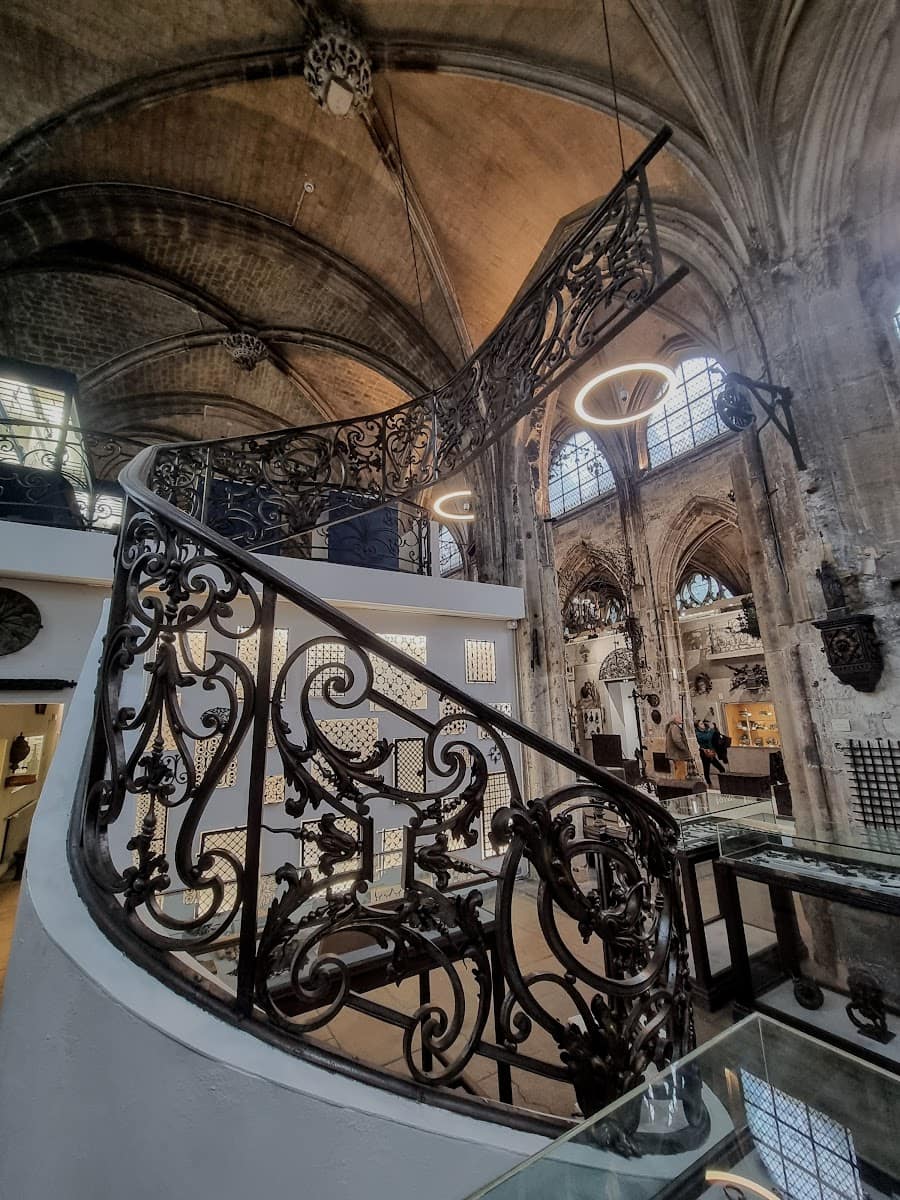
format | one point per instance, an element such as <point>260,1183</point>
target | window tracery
<point>449,551</point>
<point>700,588</point>
<point>688,418</point>
<point>578,473</point>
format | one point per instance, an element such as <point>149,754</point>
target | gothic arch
<point>585,562</point>
<point>700,532</point>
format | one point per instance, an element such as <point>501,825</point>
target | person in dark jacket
<point>705,736</point>
<point>720,743</point>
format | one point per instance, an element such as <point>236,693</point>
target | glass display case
<point>847,869</point>
<point>753,723</point>
<point>761,1112</point>
<point>699,817</point>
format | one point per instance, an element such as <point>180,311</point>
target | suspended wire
<point>412,240</point>
<point>612,78</point>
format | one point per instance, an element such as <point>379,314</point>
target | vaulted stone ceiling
<point>153,161</point>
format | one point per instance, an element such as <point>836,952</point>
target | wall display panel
<point>396,684</point>
<point>273,789</point>
<point>318,656</point>
<point>235,842</point>
<point>455,728</point>
<point>204,752</point>
<point>481,661</point>
<point>248,653</point>
<point>496,796</point>
<point>502,706</point>
<point>409,764</point>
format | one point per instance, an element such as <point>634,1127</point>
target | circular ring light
<point>439,510</point>
<point>667,374</point>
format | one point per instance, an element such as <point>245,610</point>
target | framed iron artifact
<point>20,621</point>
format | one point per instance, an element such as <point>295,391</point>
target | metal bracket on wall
<point>735,408</point>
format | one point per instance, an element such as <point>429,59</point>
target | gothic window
<point>451,558</point>
<point>700,588</point>
<point>578,473</point>
<point>688,418</point>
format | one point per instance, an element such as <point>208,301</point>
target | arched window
<point>451,559</point>
<point>578,473</point>
<point>688,418</point>
<point>699,588</point>
<point>897,321</point>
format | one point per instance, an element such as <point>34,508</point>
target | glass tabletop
<point>866,854</point>
<point>761,1112</point>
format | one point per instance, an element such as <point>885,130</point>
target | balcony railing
<point>325,841</point>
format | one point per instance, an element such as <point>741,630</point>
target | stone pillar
<point>825,330</point>
<point>514,546</point>
<point>659,664</point>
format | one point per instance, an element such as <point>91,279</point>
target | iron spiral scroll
<point>196,690</point>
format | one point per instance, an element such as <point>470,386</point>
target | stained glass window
<point>578,473</point>
<point>688,418</point>
<point>700,588</point>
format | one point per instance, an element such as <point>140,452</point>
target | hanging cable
<point>412,240</point>
<point>612,79</point>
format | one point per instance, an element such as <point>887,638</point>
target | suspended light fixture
<point>464,515</point>
<point>669,382</point>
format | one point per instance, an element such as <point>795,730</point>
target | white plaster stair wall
<point>111,1085</point>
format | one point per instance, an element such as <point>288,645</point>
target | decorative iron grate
<point>874,782</point>
<point>481,662</point>
<point>409,764</point>
<point>496,795</point>
<point>158,843</point>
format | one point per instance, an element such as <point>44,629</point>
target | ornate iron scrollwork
<point>273,486</point>
<point>345,918</point>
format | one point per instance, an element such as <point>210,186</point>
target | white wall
<point>112,1085</point>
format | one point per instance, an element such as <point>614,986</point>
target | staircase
<point>194,675</point>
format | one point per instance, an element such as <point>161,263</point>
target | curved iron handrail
<point>193,613</point>
<point>276,484</point>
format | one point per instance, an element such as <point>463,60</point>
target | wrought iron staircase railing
<point>317,918</point>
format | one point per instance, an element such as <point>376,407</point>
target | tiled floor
<point>361,1036</point>
<point>9,900</point>
<point>364,1037</point>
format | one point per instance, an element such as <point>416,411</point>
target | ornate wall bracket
<point>848,639</point>
<point>734,404</point>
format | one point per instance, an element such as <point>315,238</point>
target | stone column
<point>824,323</point>
<point>659,665</point>
<point>514,546</point>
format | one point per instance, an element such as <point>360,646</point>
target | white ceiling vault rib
<point>380,134</point>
